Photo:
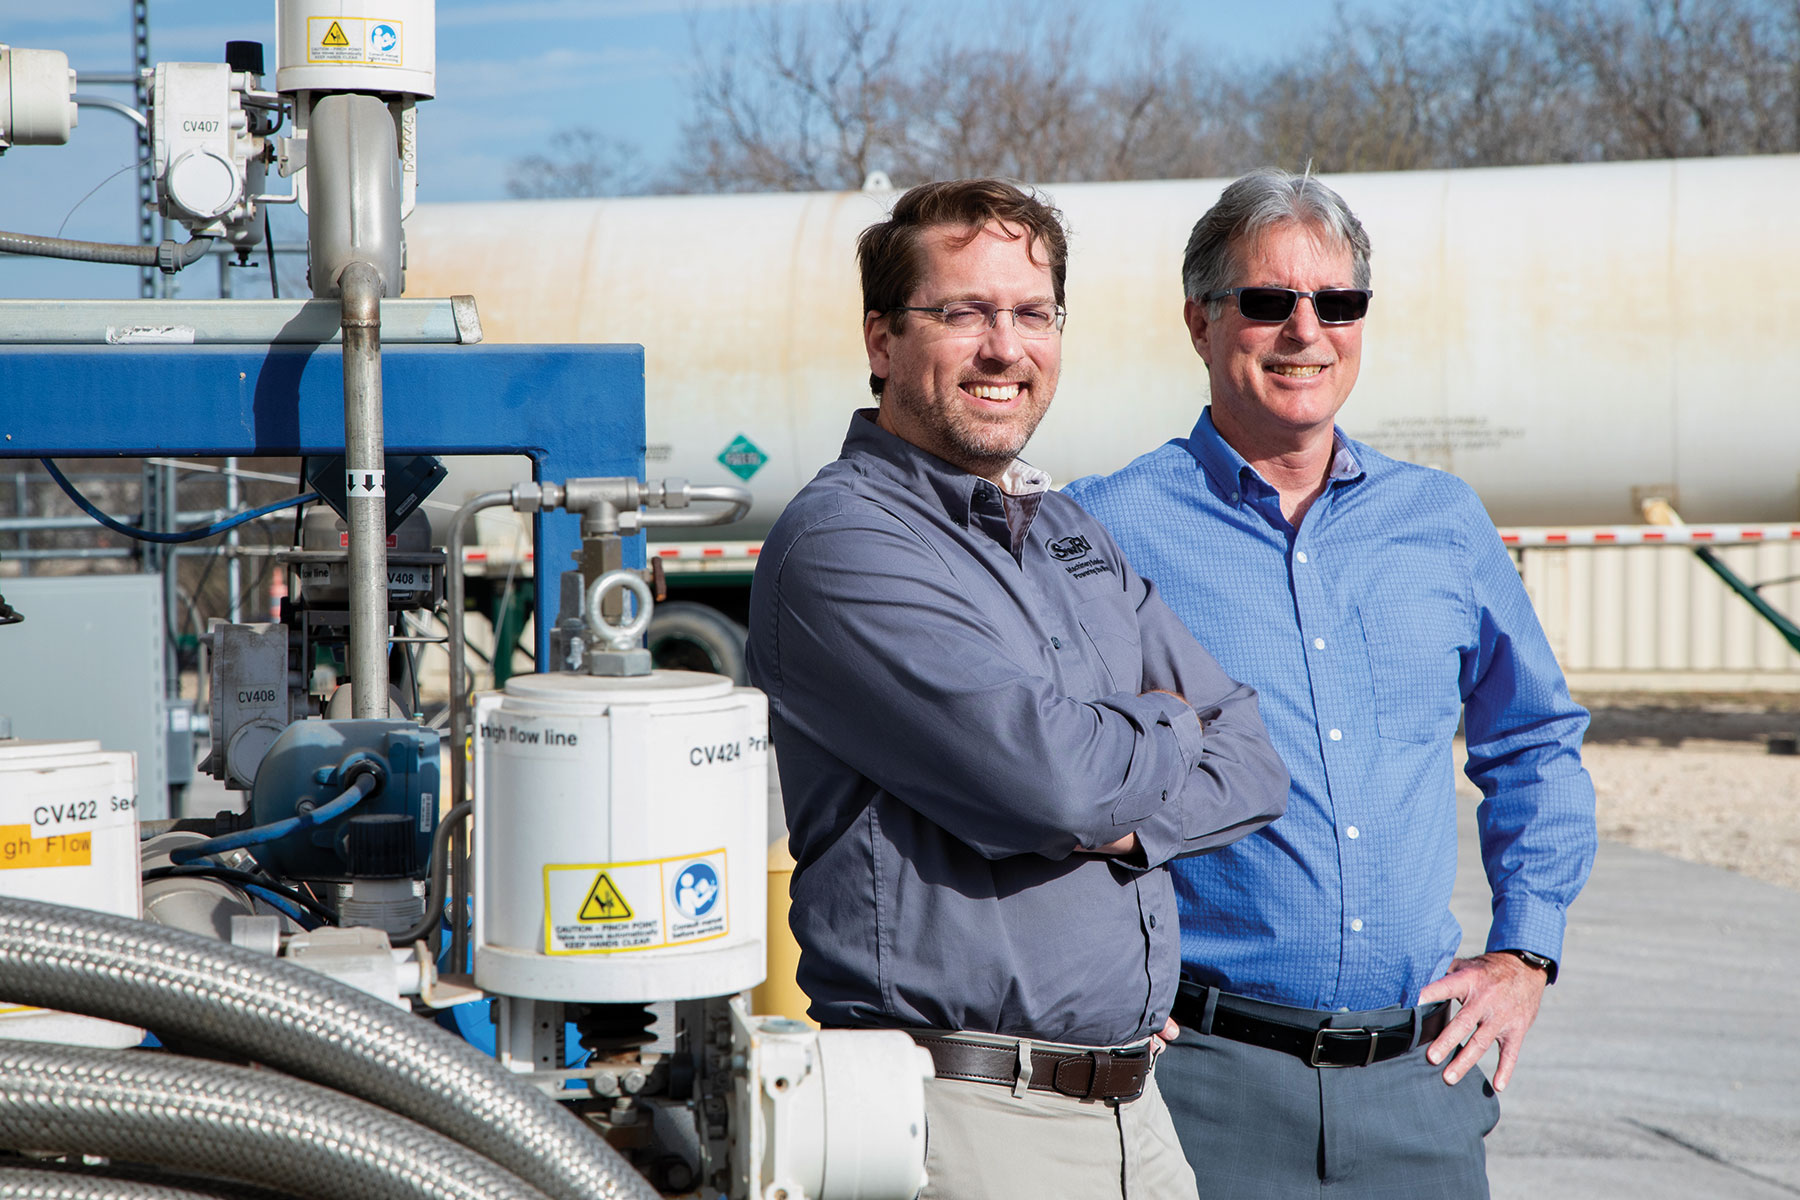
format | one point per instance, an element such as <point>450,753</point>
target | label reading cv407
<point>608,908</point>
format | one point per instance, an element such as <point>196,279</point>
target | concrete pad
<point>1665,1063</point>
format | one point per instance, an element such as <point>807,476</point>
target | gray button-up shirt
<point>959,707</point>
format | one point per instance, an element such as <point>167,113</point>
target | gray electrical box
<point>252,698</point>
<point>87,662</point>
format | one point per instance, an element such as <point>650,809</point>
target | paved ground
<point>1665,1064</point>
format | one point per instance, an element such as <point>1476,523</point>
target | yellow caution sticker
<point>651,904</point>
<point>604,903</point>
<point>334,39</point>
<point>20,851</point>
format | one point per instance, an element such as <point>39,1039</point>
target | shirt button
<point>1153,920</point>
<point>1234,497</point>
<point>1337,735</point>
<point>1356,925</point>
<point>1353,833</point>
<point>1318,643</point>
<point>1056,643</point>
<point>1301,555</point>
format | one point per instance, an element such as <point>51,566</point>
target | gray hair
<point>1263,199</point>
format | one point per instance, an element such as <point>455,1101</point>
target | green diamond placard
<point>742,458</point>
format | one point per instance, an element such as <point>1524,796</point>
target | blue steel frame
<point>576,411</point>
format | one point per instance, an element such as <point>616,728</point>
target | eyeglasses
<point>1333,306</point>
<point>979,316</point>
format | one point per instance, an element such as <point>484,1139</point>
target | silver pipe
<point>43,1182</point>
<point>258,1126</point>
<point>87,552</point>
<point>234,570</point>
<point>89,100</point>
<point>22,504</point>
<point>308,1025</point>
<point>739,498</point>
<point>366,497</point>
<point>455,593</point>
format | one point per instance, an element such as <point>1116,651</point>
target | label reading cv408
<point>608,908</point>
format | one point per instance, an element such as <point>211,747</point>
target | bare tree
<point>809,97</point>
<point>1669,78</point>
<point>804,102</point>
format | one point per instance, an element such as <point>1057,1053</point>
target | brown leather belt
<point>1086,1074</point>
<point>1316,1042</point>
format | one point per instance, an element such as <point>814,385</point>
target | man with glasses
<point>1371,604</point>
<point>993,735</point>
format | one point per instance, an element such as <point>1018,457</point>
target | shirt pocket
<point>1112,634</point>
<point>1414,665</point>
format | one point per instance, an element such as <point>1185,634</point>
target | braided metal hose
<point>309,1025</point>
<point>257,1126</point>
<point>38,1182</point>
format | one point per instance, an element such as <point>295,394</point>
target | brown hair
<point>891,253</point>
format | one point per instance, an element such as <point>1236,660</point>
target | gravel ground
<point>1692,776</point>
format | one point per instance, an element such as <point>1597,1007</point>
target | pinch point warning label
<point>609,908</point>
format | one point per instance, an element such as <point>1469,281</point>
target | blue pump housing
<point>313,762</point>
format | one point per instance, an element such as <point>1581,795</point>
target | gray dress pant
<point>1259,1124</point>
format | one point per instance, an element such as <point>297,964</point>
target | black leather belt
<point>1315,1043</point>
<point>1085,1074</point>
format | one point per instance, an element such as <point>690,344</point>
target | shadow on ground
<point>1669,719</point>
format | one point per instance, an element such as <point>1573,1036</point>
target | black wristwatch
<point>1546,965</point>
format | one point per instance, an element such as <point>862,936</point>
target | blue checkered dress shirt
<point>1391,612</point>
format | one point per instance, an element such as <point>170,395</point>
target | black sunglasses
<point>1333,306</point>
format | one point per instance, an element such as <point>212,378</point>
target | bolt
<point>633,1082</point>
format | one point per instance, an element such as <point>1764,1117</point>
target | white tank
<point>1566,338</point>
<point>621,836</point>
<point>68,835</point>
<point>381,46</point>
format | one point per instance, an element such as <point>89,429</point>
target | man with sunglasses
<point>993,736</point>
<point>1371,604</point>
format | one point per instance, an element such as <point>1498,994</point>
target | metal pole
<point>21,504</point>
<point>365,489</point>
<point>149,281</point>
<point>234,572</point>
<point>454,598</point>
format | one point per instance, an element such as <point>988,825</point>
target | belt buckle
<point>1099,1064</point>
<point>1319,1042</point>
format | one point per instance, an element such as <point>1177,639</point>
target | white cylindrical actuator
<point>381,46</point>
<point>620,837</point>
<point>68,835</point>
<point>37,97</point>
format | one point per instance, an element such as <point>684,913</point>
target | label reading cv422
<point>610,908</point>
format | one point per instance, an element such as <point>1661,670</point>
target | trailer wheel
<point>684,636</point>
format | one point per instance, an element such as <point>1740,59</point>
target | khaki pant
<point>984,1143</point>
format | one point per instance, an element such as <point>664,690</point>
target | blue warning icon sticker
<point>385,48</point>
<point>697,899</point>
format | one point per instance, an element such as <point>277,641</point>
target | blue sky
<point>509,76</point>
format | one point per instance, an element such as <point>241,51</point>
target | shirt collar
<point>1232,476</point>
<point>921,470</point>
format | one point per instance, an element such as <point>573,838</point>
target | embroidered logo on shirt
<point>1063,549</point>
